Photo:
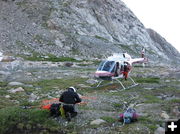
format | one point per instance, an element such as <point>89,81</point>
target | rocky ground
<point>27,83</point>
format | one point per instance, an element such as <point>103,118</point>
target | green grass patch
<point>38,57</point>
<point>47,85</point>
<point>85,107</point>
<point>87,90</point>
<point>149,122</point>
<point>175,101</point>
<point>93,126</point>
<point>171,89</point>
<point>151,52</point>
<point>151,99</point>
<point>15,118</point>
<point>167,90</point>
<point>61,59</point>
<point>35,57</point>
<point>3,84</point>
<point>118,107</point>
<point>109,119</point>
<point>4,102</point>
<point>82,65</point>
<point>147,80</point>
<point>20,43</point>
<point>66,4</point>
<point>152,127</point>
<point>42,40</point>
<point>101,38</point>
<point>145,119</point>
<point>96,62</point>
<point>109,85</point>
<point>127,49</point>
<point>22,4</point>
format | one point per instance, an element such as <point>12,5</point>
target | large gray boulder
<point>97,122</point>
<point>160,130</point>
<point>15,83</point>
<point>19,89</point>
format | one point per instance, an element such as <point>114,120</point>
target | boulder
<point>33,97</point>
<point>15,84</point>
<point>7,96</point>
<point>4,73</point>
<point>164,115</point>
<point>159,130</point>
<point>29,74</point>
<point>51,25</point>
<point>8,59</point>
<point>176,111</point>
<point>15,101</point>
<point>20,126</point>
<point>97,122</point>
<point>83,86</point>
<point>167,81</point>
<point>58,43</point>
<point>68,64</point>
<point>19,89</point>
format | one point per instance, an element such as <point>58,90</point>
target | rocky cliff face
<point>163,46</point>
<point>77,28</point>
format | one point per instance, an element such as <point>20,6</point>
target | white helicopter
<point>118,67</point>
<point>1,56</point>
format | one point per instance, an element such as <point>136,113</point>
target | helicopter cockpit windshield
<point>106,66</point>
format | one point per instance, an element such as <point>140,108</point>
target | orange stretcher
<point>46,104</point>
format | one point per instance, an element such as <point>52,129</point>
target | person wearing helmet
<point>69,98</point>
<point>126,70</point>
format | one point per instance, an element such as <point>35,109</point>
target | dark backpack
<point>55,109</point>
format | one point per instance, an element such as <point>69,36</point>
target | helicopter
<point>118,66</point>
<point>1,56</point>
<point>6,58</point>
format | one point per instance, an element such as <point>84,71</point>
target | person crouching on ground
<point>69,98</point>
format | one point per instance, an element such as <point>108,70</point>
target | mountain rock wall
<point>78,28</point>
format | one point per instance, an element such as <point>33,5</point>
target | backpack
<point>55,109</point>
<point>129,116</point>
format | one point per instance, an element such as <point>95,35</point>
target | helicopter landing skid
<point>116,79</point>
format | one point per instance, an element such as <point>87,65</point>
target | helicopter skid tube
<point>118,81</point>
<point>132,86</point>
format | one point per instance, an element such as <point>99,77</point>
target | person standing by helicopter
<point>142,52</point>
<point>126,70</point>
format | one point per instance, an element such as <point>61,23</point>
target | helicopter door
<point>117,69</point>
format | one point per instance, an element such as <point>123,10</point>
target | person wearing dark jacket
<point>69,99</point>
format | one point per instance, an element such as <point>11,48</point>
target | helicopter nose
<point>102,73</point>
